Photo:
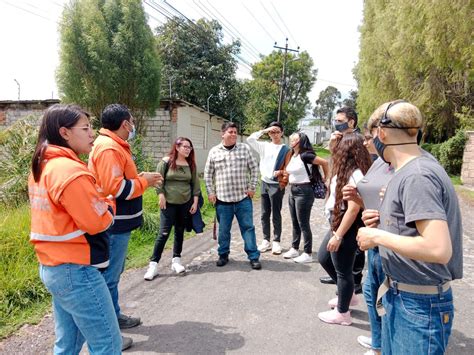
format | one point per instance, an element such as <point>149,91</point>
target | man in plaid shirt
<point>231,178</point>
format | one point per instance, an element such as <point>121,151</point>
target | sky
<point>326,29</point>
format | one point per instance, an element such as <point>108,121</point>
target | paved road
<point>235,309</point>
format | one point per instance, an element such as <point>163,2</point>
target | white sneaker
<point>176,266</point>
<point>292,253</point>
<point>276,248</point>
<point>264,246</point>
<point>303,258</point>
<point>366,342</point>
<point>371,352</point>
<point>152,271</point>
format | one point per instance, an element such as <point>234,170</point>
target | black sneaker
<point>126,343</point>
<point>223,259</point>
<point>126,322</point>
<point>326,280</point>
<point>358,289</point>
<point>255,264</point>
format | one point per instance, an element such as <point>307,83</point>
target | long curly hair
<point>173,154</point>
<point>349,155</point>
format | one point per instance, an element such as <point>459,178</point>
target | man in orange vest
<point>112,163</point>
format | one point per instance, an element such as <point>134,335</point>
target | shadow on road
<point>241,265</point>
<point>459,343</point>
<point>187,338</point>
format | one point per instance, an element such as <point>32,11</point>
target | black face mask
<point>341,127</point>
<point>380,147</point>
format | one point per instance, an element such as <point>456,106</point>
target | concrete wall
<point>467,171</point>
<point>12,111</point>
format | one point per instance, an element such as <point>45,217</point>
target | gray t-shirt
<point>420,190</point>
<point>373,182</point>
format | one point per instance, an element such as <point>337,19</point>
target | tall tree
<point>327,101</point>
<point>262,105</point>
<point>196,65</point>
<point>108,54</point>
<point>420,52</point>
<point>351,100</point>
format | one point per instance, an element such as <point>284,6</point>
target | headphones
<point>385,120</point>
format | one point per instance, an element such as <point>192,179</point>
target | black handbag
<point>319,188</point>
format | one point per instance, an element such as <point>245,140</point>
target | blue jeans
<point>83,310</point>
<point>375,277</point>
<point>416,323</point>
<point>118,254</point>
<point>243,210</point>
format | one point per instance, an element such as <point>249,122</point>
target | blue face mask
<point>132,134</point>
<point>341,127</point>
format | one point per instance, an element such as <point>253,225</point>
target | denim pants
<point>243,210</point>
<point>375,277</point>
<point>173,215</point>
<point>301,201</point>
<point>83,310</point>
<point>118,254</point>
<point>271,202</point>
<point>416,323</point>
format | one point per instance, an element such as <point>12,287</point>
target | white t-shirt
<point>297,172</point>
<point>331,201</point>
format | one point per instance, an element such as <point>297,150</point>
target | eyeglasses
<point>85,128</point>
<point>368,137</point>
<point>187,147</point>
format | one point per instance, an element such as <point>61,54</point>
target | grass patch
<point>322,152</point>
<point>23,297</point>
<point>455,179</point>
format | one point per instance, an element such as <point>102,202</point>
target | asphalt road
<point>234,309</point>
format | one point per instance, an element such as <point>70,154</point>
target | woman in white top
<point>350,162</point>
<point>301,196</point>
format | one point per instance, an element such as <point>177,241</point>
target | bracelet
<point>337,237</point>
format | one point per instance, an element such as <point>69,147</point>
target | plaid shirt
<point>229,174</point>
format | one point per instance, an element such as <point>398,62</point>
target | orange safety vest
<point>68,215</point>
<point>112,164</point>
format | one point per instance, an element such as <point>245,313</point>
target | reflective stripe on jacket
<point>112,164</point>
<point>68,216</point>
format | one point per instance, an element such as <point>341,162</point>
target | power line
<point>271,18</point>
<point>258,22</point>
<point>240,35</point>
<point>284,24</point>
<point>210,15</point>
<point>29,11</point>
<point>187,25</point>
<point>336,83</point>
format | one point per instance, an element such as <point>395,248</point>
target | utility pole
<point>283,75</point>
<point>16,81</point>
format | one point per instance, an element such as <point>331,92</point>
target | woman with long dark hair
<point>178,197</point>
<point>350,162</point>
<point>68,223</point>
<point>301,196</point>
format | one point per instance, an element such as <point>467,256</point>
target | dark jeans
<point>173,215</point>
<point>301,202</point>
<point>359,264</point>
<point>339,265</point>
<point>271,201</point>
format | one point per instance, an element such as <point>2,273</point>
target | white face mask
<point>132,134</point>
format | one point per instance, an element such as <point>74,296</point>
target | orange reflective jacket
<point>112,164</point>
<point>68,215</point>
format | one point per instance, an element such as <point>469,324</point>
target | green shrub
<point>21,291</point>
<point>17,144</point>
<point>142,161</point>
<point>432,148</point>
<point>451,153</point>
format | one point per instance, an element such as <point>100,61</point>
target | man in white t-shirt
<point>272,155</point>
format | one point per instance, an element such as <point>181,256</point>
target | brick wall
<point>467,172</point>
<point>157,135</point>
